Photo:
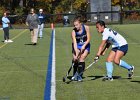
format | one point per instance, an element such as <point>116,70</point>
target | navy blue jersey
<point>41,17</point>
<point>81,38</point>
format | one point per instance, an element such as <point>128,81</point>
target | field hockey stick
<point>64,78</point>
<point>73,63</point>
<point>86,68</point>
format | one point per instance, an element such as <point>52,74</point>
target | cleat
<point>9,41</point>
<point>5,41</point>
<point>79,78</point>
<point>64,79</point>
<point>131,72</point>
<point>106,78</point>
<point>75,77</point>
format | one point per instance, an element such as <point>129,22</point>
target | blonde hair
<point>77,18</point>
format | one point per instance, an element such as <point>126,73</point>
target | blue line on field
<point>47,93</point>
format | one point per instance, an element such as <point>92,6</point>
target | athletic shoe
<point>106,78</point>
<point>5,41</point>
<point>9,41</point>
<point>75,77</point>
<point>34,43</point>
<point>79,78</point>
<point>131,72</point>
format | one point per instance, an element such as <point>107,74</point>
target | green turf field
<point>23,67</point>
<point>92,87</point>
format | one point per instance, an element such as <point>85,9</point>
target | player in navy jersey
<point>42,18</point>
<point>119,49</point>
<point>80,46</point>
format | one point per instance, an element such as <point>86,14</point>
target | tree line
<point>49,6</point>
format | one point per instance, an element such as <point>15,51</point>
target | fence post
<point>121,12</point>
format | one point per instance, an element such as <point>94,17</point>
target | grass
<point>92,87</point>
<point>23,68</point>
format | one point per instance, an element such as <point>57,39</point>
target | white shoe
<point>9,41</point>
<point>79,78</point>
<point>131,72</point>
<point>5,41</point>
<point>106,78</point>
<point>75,77</point>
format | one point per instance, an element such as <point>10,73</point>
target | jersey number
<point>114,32</point>
<point>81,40</point>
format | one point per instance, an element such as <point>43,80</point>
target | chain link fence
<point>90,18</point>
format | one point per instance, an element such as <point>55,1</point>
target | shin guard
<point>81,67</point>
<point>75,68</point>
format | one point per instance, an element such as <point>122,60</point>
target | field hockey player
<point>119,49</point>
<point>80,44</point>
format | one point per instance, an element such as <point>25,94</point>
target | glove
<point>96,58</point>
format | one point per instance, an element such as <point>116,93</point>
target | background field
<point>23,67</point>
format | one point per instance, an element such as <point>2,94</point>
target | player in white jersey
<point>119,49</point>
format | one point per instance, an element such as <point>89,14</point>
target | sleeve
<point>3,20</point>
<point>8,21</point>
<point>105,35</point>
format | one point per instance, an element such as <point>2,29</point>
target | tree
<point>77,4</point>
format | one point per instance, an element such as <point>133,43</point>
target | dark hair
<point>77,18</point>
<point>102,23</point>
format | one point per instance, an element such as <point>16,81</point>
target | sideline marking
<point>13,38</point>
<point>135,76</point>
<point>50,88</point>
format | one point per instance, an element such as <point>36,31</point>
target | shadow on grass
<point>28,44</point>
<point>97,77</point>
<point>84,79</point>
<point>90,78</point>
<point>135,81</point>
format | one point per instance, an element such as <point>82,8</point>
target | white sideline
<point>53,81</point>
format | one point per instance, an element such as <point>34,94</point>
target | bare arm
<point>74,42</point>
<point>101,47</point>
<point>27,19</point>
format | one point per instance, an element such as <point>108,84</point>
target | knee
<point>109,60</point>
<point>82,58</point>
<point>117,61</point>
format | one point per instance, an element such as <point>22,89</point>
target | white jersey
<point>114,37</point>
